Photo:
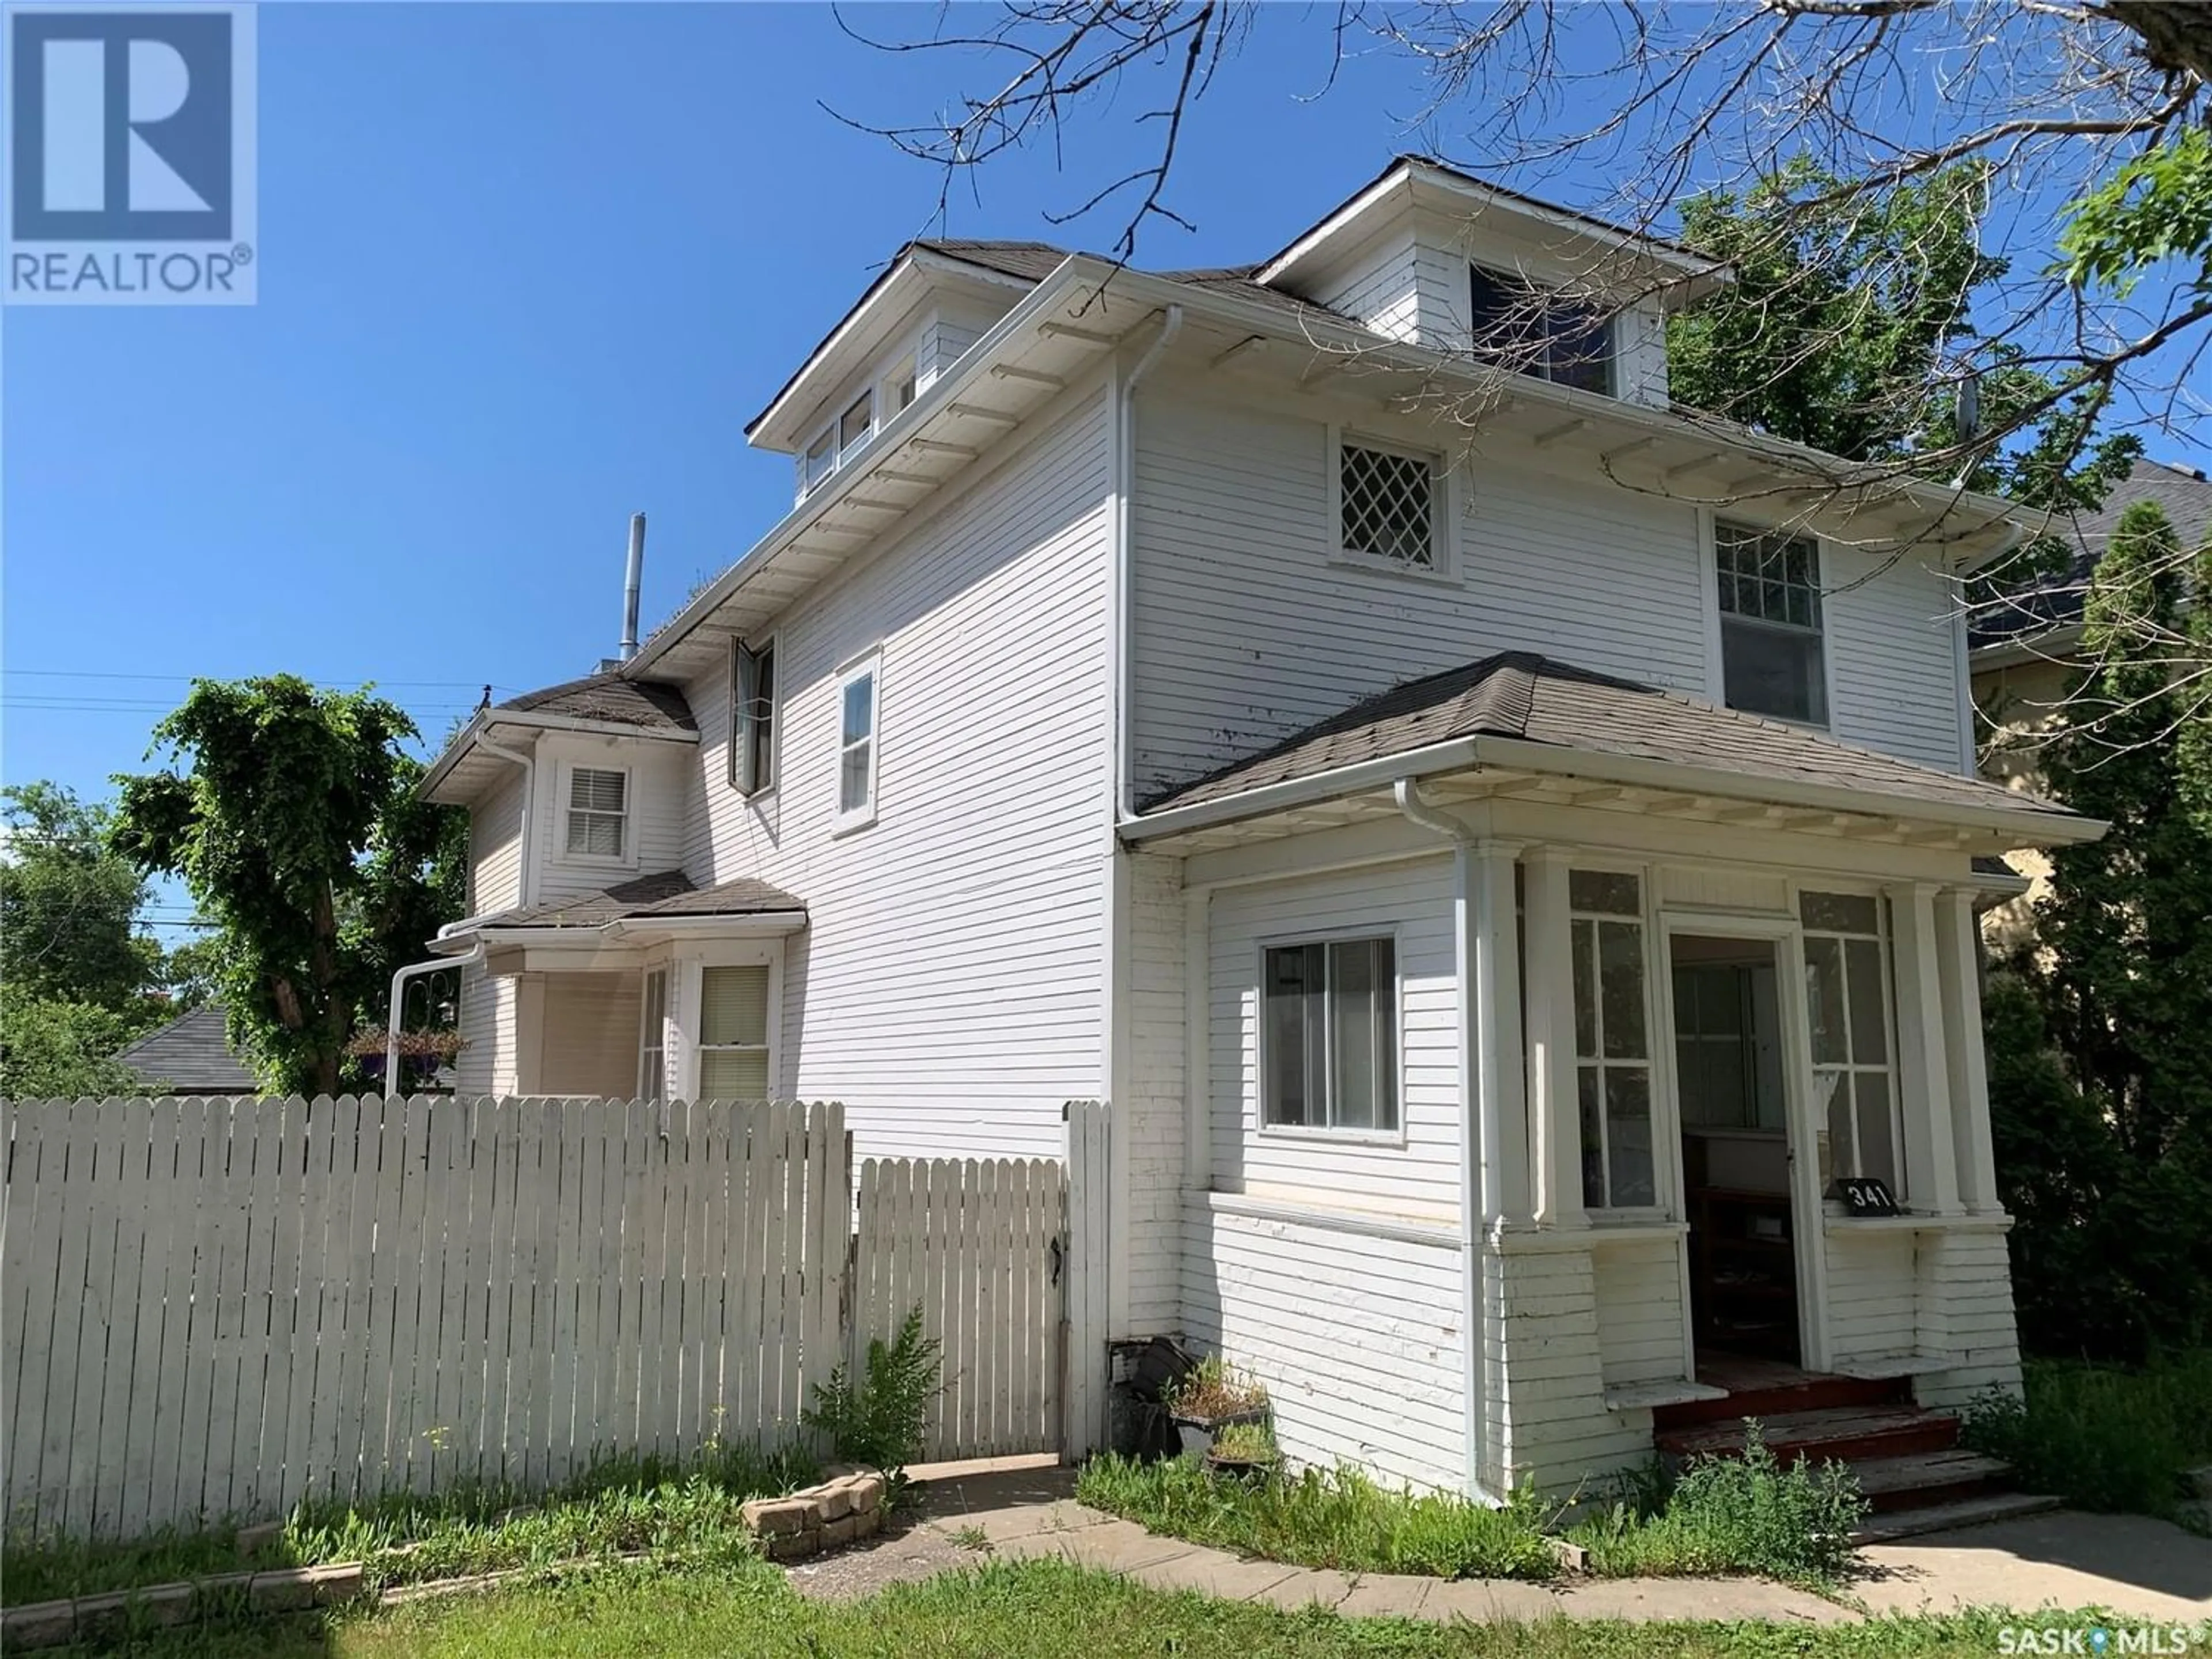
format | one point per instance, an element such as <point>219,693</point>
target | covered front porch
<point>1706,1040</point>
<point>652,989</point>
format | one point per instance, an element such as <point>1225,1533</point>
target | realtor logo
<point>130,155</point>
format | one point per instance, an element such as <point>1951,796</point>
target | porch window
<point>856,745</point>
<point>598,811</point>
<point>1613,1039</point>
<point>1330,1035</point>
<point>652,1038</point>
<point>752,717</point>
<point>1771,642</point>
<point>1539,332</point>
<point>1387,503</point>
<point>1847,986</point>
<point>733,1034</point>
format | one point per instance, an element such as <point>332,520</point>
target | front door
<point>1733,1115</point>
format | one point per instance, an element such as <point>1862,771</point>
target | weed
<point>1214,1389</point>
<point>971,1538</point>
<point>1244,1443</point>
<point>2103,1437</point>
<point>880,1422</point>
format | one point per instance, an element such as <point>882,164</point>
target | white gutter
<point>640,930</point>
<point>1125,563</point>
<point>2039,826</point>
<point>436,964</point>
<point>526,872</point>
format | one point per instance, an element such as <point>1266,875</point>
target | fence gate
<point>980,1246</point>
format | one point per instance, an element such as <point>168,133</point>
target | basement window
<point>599,812</point>
<point>1329,1035</point>
<point>1773,646</point>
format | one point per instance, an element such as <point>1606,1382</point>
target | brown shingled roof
<point>649,705</point>
<point>663,893</point>
<point>1521,695</point>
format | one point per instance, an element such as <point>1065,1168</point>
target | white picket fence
<point>215,1308</point>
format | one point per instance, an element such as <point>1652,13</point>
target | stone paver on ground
<point>2133,1565</point>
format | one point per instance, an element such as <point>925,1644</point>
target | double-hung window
<point>1534,330</point>
<point>1847,986</point>
<point>1613,1039</point>
<point>1389,505</point>
<point>652,1038</point>
<point>733,1034</point>
<point>1329,1010</point>
<point>1772,657</point>
<point>856,743</point>
<point>599,812</point>
<point>752,716</point>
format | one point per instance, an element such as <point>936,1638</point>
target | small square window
<point>1772,640</point>
<point>1534,330</point>
<point>1330,1014</point>
<point>1387,506</point>
<point>856,746</point>
<point>599,812</point>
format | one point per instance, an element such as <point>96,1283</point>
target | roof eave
<point>781,426</point>
<point>2035,826</point>
<point>625,930</point>
<point>482,723</point>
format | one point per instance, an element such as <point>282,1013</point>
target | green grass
<point>1026,1610</point>
<point>1323,1518</point>
<point>1724,1515</point>
<point>616,1507</point>
<point>2103,1437</point>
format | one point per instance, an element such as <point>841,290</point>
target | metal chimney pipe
<point>632,578</point>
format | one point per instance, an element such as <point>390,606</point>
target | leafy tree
<point>2122,973</point>
<point>294,826</point>
<point>57,1047</point>
<point>69,903</point>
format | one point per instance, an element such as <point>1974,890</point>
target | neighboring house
<point>2026,657</point>
<point>191,1055</point>
<point>1500,896</point>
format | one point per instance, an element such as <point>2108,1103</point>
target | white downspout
<point>1125,563</point>
<point>526,874</point>
<point>466,960</point>
<point>1478,1150</point>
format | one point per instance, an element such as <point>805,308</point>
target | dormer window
<point>821,460</point>
<point>1537,331</point>
<point>901,387</point>
<point>838,441</point>
<point>855,423</point>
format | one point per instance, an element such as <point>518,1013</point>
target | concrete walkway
<point>2134,1567</point>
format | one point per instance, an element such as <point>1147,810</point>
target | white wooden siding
<point>1966,1311</point>
<point>1153,1096</point>
<point>495,847</point>
<point>1873,1295</point>
<point>1359,1339</point>
<point>1246,632</point>
<point>1896,667</point>
<point>1418,1180</point>
<point>655,837</point>
<point>1542,1370</point>
<point>950,985</point>
<point>951,329</point>
<point>1639,1311</point>
<point>486,1063</point>
<point>1378,285</point>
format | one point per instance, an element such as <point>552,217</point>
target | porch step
<point>1931,1478</point>
<point>1883,1529</point>
<point>1807,1392</point>
<point>1844,1434</point>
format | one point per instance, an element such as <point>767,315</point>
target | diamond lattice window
<point>1389,507</point>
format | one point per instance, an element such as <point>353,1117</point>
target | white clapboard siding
<point>220,1308</point>
<point>974,907</point>
<point>978,1246</point>
<point>1639,1289</point>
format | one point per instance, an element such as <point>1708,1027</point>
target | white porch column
<point>1959,961</point>
<point>1555,1111</point>
<point>1499,1095</point>
<point>1931,1169</point>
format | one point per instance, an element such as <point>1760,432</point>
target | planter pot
<point>1198,1434</point>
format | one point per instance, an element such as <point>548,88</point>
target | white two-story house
<point>1504,848</point>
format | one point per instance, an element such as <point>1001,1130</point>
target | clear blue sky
<point>524,269</point>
